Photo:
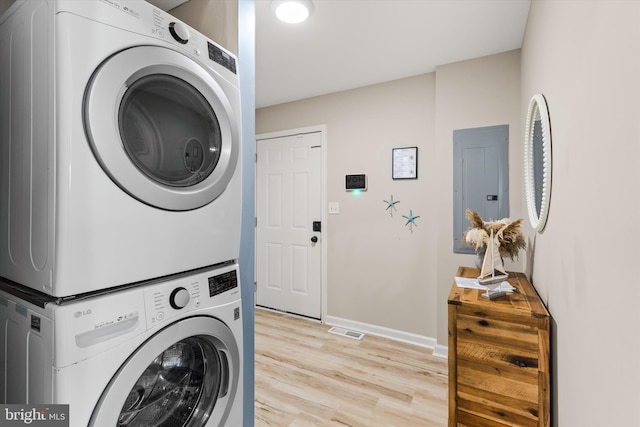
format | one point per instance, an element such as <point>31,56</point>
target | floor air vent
<point>346,333</point>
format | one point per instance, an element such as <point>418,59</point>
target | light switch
<point>334,208</point>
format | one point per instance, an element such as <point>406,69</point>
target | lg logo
<point>81,313</point>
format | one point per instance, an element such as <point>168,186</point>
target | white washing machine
<point>120,139</point>
<point>166,353</point>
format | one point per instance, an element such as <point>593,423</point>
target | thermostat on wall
<point>356,182</point>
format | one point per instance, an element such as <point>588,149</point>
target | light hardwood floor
<point>306,376</point>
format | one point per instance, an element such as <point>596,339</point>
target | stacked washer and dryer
<point>120,207</point>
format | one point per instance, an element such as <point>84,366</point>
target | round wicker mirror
<point>537,162</point>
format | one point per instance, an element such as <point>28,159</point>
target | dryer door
<point>185,375</point>
<point>163,127</point>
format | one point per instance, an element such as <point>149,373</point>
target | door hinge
<point>255,221</point>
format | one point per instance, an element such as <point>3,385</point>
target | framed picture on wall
<point>405,163</point>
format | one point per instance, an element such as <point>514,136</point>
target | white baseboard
<point>381,331</point>
<point>441,351</point>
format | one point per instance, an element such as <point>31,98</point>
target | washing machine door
<point>163,127</point>
<point>185,375</point>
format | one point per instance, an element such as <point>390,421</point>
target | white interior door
<point>289,200</point>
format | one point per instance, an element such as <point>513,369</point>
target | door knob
<point>314,239</point>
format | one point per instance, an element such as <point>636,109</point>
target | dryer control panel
<point>147,19</point>
<point>192,40</point>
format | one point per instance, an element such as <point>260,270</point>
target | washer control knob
<point>180,32</point>
<point>179,298</point>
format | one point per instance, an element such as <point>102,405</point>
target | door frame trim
<point>323,202</point>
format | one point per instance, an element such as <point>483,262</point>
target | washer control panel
<point>179,32</point>
<point>190,293</point>
<point>164,302</point>
<point>222,283</point>
<point>179,298</point>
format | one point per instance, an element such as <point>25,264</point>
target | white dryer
<point>167,353</point>
<point>120,146</point>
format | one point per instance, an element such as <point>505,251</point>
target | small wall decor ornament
<point>405,163</point>
<point>391,205</point>
<point>411,220</point>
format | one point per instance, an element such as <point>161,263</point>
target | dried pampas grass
<point>507,233</point>
<point>476,221</point>
<point>476,237</point>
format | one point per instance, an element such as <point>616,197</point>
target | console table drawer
<point>498,357</point>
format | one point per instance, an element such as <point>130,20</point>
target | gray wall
<point>217,19</point>
<point>247,69</point>
<point>4,5</point>
<point>584,56</point>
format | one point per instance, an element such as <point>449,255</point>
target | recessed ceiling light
<point>292,11</point>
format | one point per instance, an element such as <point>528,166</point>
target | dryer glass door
<point>186,375</point>
<point>164,127</point>
<point>169,130</point>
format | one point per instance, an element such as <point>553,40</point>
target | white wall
<point>474,93</point>
<point>379,272</point>
<point>584,56</point>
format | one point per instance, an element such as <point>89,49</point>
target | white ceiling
<point>352,43</point>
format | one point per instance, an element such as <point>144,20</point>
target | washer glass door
<point>186,375</point>
<point>163,127</point>
<point>179,385</point>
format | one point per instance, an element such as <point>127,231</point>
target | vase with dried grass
<point>507,233</point>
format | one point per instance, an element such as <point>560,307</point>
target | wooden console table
<point>498,356</point>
